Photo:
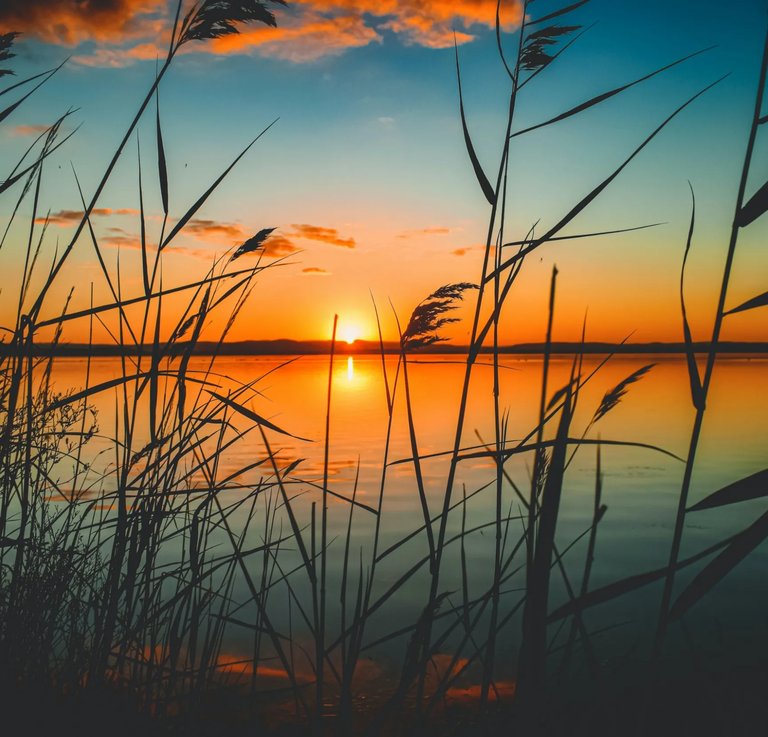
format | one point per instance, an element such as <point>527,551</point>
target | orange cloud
<point>28,130</point>
<point>69,22</point>
<point>424,22</point>
<point>405,235</point>
<point>315,271</point>
<point>233,233</point>
<point>466,249</point>
<point>278,245</point>
<point>122,241</point>
<point>128,30</point>
<point>67,218</point>
<point>116,58</point>
<point>309,37</point>
<point>210,230</point>
<point>324,235</point>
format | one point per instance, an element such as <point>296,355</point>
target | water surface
<point>640,485</point>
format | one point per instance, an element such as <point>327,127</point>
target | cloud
<point>68,218</point>
<point>121,241</point>
<point>276,245</point>
<point>211,230</point>
<point>408,234</point>
<point>279,245</point>
<point>69,22</point>
<point>120,57</point>
<point>29,130</point>
<point>467,249</point>
<point>304,39</point>
<point>315,271</point>
<point>231,234</point>
<point>225,234</point>
<point>422,22</point>
<point>324,235</point>
<point>386,120</point>
<point>127,31</point>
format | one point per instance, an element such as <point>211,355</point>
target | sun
<point>349,333</point>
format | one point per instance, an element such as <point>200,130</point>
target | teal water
<point>640,486</point>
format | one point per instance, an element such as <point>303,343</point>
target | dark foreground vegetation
<point>123,572</point>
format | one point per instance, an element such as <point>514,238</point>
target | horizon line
<point>290,346</point>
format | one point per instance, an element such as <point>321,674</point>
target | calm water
<point>640,486</point>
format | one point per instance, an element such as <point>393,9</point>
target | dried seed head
<point>429,316</point>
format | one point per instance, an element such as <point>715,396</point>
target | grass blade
<point>557,13</point>
<point>754,208</point>
<point>577,236</point>
<point>760,301</point>
<point>8,183</point>
<point>608,95</point>
<point>751,487</point>
<point>143,230</point>
<point>24,81</point>
<point>5,113</point>
<point>137,300</point>
<point>162,168</point>
<point>251,415</point>
<point>740,547</point>
<point>485,185</point>
<point>697,391</point>
<point>589,198</point>
<point>201,200</point>
<point>626,585</point>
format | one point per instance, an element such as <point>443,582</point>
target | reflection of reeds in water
<point>131,579</point>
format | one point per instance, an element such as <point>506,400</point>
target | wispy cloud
<point>28,130</point>
<point>315,271</point>
<point>324,235</point>
<point>68,218</point>
<point>121,241</point>
<point>408,234</point>
<point>279,245</point>
<point>118,57</point>
<point>212,230</point>
<point>464,251</point>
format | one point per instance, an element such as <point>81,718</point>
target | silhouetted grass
<point>130,553</point>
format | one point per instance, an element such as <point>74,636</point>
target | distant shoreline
<point>360,347</point>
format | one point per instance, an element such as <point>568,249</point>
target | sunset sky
<point>365,176</point>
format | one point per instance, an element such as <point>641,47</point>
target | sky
<point>365,176</point>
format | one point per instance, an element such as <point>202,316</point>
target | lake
<point>640,486</point>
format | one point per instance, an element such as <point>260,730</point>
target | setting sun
<point>350,333</point>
